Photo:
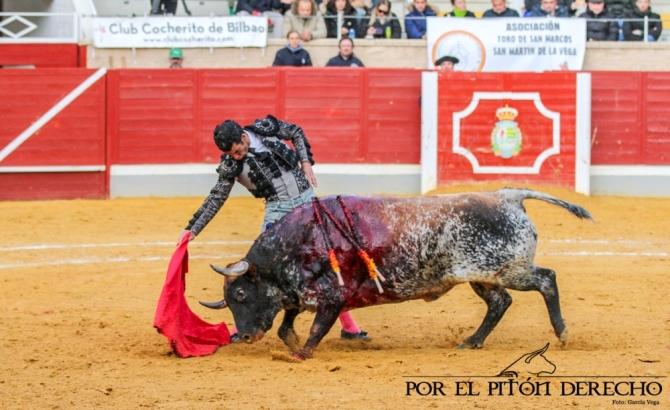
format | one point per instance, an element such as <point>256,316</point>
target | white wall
<point>46,27</point>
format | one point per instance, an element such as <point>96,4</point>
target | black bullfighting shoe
<point>235,338</point>
<point>362,335</point>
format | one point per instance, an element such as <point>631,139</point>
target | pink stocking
<point>348,323</point>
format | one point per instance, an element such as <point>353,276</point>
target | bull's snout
<point>247,338</point>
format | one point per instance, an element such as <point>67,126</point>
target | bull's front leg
<point>286,332</point>
<point>326,315</point>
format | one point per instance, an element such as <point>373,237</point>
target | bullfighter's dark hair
<point>227,134</point>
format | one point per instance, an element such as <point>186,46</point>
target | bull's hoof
<point>281,356</point>
<point>291,340</point>
<point>469,344</point>
<point>362,335</point>
<point>563,337</point>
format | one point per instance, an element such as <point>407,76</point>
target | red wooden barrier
<point>43,55</point>
<point>476,159</point>
<point>630,122</point>
<point>349,116</point>
<point>73,138</point>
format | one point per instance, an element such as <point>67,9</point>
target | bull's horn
<point>239,269</point>
<point>215,305</point>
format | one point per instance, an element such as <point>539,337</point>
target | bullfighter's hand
<point>184,233</point>
<point>307,170</point>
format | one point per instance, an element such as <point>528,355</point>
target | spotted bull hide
<point>423,246</point>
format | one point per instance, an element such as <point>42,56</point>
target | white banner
<point>184,32</point>
<point>508,44</point>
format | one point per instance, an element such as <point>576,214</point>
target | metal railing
<point>30,27</point>
<point>25,27</point>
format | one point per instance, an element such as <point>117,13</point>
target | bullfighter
<point>257,157</point>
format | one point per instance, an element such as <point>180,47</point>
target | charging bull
<point>422,246</point>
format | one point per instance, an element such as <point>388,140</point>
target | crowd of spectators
<point>608,20</point>
<point>305,20</point>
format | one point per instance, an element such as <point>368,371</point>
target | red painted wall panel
<point>557,92</point>
<point>153,119</point>
<point>349,116</point>
<point>630,122</point>
<point>40,55</point>
<point>74,137</point>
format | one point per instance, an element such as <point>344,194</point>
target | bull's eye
<point>240,295</point>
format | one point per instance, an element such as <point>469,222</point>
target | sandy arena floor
<point>79,281</point>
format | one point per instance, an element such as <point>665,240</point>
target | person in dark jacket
<point>570,5</point>
<point>346,57</point>
<point>293,54</point>
<point>377,23</point>
<point>415,20</point>
<point>549,8</point>
<point>619,8</point>
<point>499,9</point>
<point>600,30</point>
<point>272,9</point>
<point>634,30</point>
<point>349,18</point>
<point>460,9</point>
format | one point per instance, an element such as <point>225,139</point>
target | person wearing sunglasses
<point>382,23</point>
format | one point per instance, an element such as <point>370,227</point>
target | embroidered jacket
<point>273,175</point>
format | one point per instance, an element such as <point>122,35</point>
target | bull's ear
<point>252,273</point>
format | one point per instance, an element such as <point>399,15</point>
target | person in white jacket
<point>305,18</point>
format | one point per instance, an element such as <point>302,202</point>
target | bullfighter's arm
<point>215,200</point>
<point>295,134</point>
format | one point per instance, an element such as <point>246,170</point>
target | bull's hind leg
<point>497,301</point>
<point>286,332</point>
<point>544,281</point>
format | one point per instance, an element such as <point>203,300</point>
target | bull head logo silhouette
<point>531,363</point>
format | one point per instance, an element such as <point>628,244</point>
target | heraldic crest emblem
<point>506,136</point>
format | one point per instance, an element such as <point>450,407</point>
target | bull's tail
<point>520,194</point>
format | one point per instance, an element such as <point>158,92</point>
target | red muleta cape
<point>187,333</point>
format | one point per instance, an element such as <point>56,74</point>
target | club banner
<point>185,32</point>
<point>508,44</point>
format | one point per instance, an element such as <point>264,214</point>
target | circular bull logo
<point>506,136</point>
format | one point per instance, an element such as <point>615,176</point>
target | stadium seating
<point>142,7</point>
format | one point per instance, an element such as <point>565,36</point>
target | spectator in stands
<point>460,9</point>
<point>305,18</point>
<point>272,9</point>
<point>362,7</point>
<point>600,30</point>
<point>346,57</point>
<point>619,8</point>
<point>634,30</point>
<point>379,24</point>
<point>176,57</point>
<point>349,18</point>
<point>499,10</point>
<point>168,7</point>
<point>531,5</point>
<point>415,20</point>
<point>549,8</point>
<point>446,63</point>
<point>293,54</point>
